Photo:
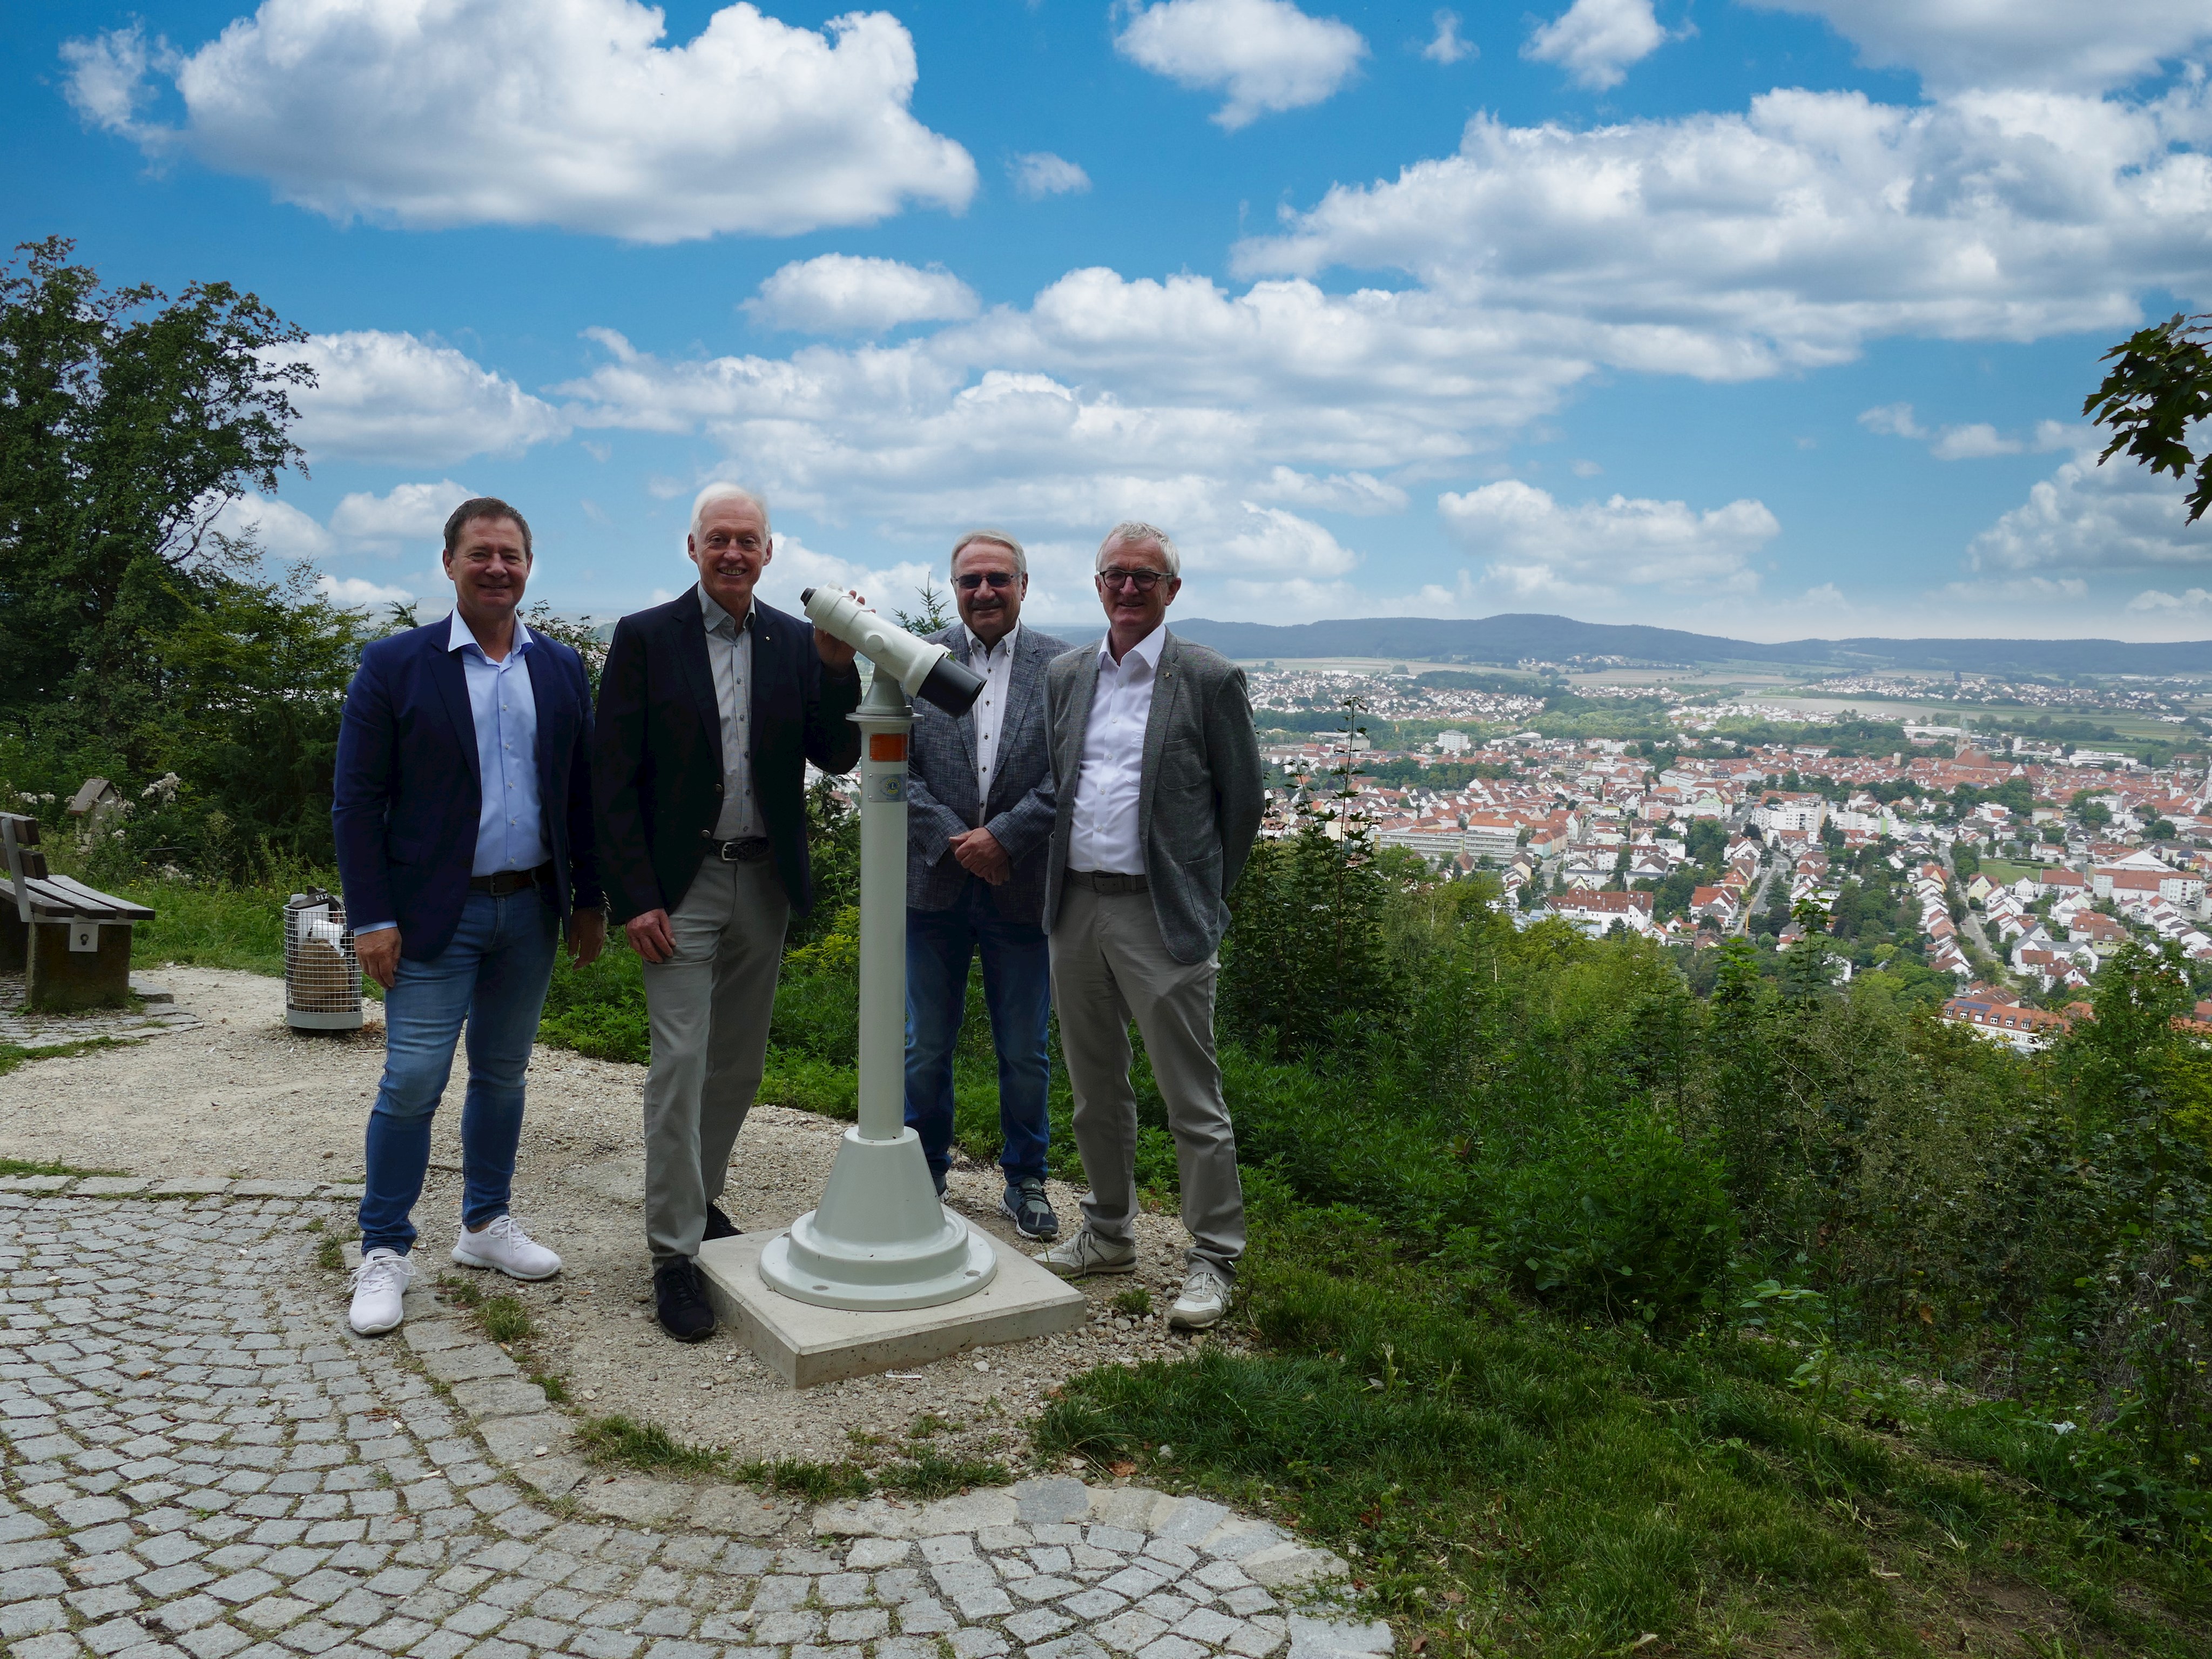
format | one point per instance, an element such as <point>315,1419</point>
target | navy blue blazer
<point>658,764</point>
<point>407,795</point>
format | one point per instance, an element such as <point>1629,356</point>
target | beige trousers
<point>1108,965</point>
<point>709,1007</point>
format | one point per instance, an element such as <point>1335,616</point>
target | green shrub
<point>1627,1223</point>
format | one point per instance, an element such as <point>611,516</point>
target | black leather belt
<point>1101,881</point>
<point>501,883</point>
<point>752,850</point>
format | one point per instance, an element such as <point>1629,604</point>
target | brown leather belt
<point>501,883</point>
<point>1103,881</point>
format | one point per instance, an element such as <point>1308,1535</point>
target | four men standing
<point>1079,826</point>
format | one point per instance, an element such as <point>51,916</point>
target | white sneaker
<point>1205,1298</point>
<point>1087,1253</point>
<point>503,1244</point>
<point>378,1285</point>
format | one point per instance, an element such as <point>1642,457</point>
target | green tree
<point>2155,397</point>
<point>127,422</point>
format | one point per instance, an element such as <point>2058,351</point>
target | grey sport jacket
<point>941,787</point>
<point>1201,796</point>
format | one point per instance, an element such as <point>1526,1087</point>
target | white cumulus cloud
<point>358,592</point>
<point>2067,43</point>
<point>2087,516</point>
<point>1266,55</point>
<point>1537,546</point>
<point>387,397</point>
<point>562,112</point>
<point>1041,173</point>
<point>1596,40</point>
<point>2195,601</point>
<point>277,527</point>
<point>408,512</point>
<point>841,294</point>
<point>1446,46</point>
<point>1729,245</point>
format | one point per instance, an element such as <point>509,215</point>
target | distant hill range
<point>1512,639</point>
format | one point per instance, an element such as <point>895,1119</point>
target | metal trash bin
<point>322,974</point>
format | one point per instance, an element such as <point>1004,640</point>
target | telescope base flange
<point>879,1238</point>
<point>805,1344</point>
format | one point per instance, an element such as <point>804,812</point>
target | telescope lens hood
<point>951,686</point>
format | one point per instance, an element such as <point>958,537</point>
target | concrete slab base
<point>805,1345</point>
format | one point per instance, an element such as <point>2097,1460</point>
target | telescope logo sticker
<point>891,786</point>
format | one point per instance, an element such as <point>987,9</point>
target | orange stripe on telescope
<point>887,746</point>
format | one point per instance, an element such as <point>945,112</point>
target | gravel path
<point>201,1460</point>
<point>243,1097</point>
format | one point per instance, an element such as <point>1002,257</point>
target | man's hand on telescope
<point>649,935</point>
<point>836,655</point>
<point>980,855</point>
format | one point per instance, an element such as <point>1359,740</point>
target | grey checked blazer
<point>1201,793</point>
<point>940,801</point>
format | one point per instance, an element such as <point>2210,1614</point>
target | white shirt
<point>1103,835</point>
<point>730,654</point>
<point>995,664</point>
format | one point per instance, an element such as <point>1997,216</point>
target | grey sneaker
<point>1087,1253</point>
<point>1025,1205</point>
<point>1204,1300</point>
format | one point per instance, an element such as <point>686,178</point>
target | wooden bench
<point>70,942</point>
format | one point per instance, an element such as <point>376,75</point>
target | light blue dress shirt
<point>510,824</point>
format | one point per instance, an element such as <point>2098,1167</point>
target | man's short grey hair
<point>1000,538</point>
<point>1132,531</point>
<point>724,492</point>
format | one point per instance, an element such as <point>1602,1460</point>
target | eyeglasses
<point>1143,580</point>
<point>975,578</point>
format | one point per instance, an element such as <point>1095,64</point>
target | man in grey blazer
<point>1159,782</point>
<point>979,824</point>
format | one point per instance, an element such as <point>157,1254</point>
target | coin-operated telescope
<point>879,1238</point>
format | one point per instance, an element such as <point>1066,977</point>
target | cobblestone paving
<point>24,1029</point>
<point>201,1459</point>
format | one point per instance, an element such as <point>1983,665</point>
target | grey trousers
<point>1108,963</point>
<point>709,1006</point>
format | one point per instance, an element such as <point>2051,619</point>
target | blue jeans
<point>1018,991</point>
<point>493,975</point>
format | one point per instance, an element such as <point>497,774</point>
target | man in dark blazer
<point>462,810</point>
<point>979,821</point>
<point>1158,797</point>
<point>710,706</point>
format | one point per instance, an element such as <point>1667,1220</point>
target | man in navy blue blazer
<point>462,810</point>
<point>710,707</point>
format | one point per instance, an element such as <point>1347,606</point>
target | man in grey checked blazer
<point>979,823</point>
<point>1159,793</point>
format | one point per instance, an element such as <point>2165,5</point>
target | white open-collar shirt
<point>995,664</point>
<point>1103,832</point>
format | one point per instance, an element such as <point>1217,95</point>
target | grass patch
<point>18,1166</point>
<point>1136,1301</point>
<point>1506,1481</point>
<point>461,1292</point>
<point>617,1439</point>
<point>556,1388</point>
<point>932,1475</point>
<point>329,1255</point>
<point>928,1425</point>
<point>819,1483</point>
<point>505,1319</point>
<point>14,1055</point>
<point>215,924</point>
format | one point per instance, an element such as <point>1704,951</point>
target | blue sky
<point>1764,318</point>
